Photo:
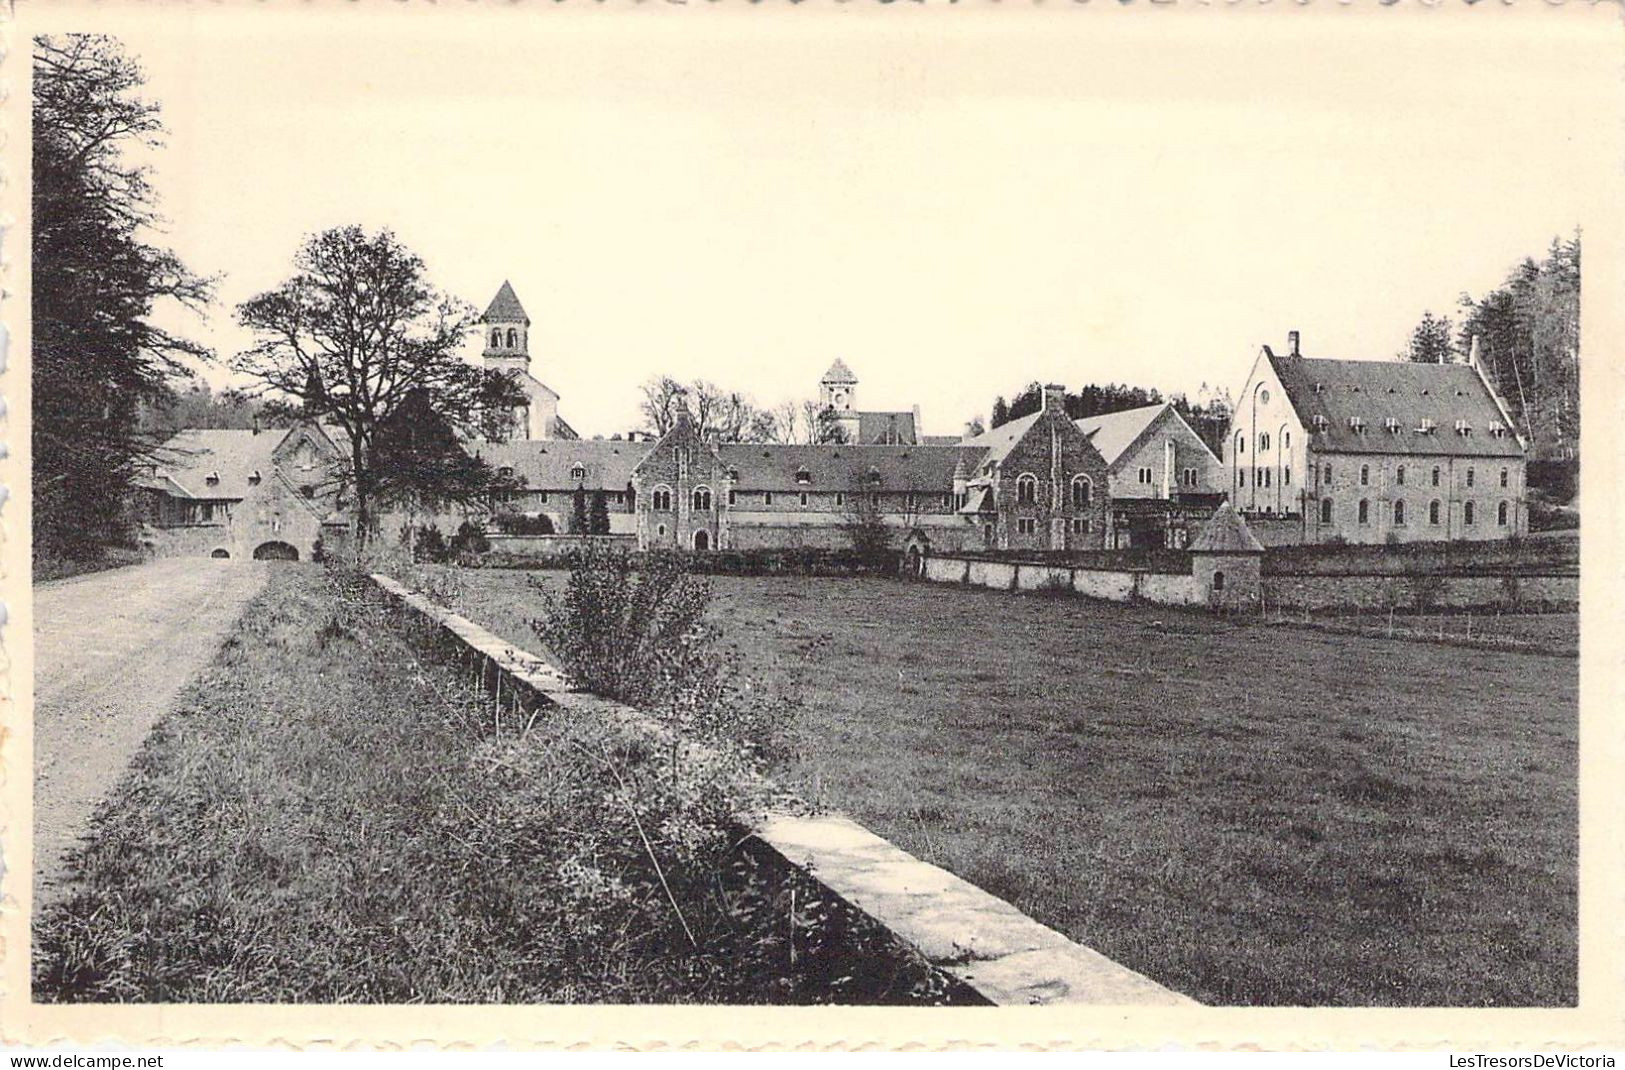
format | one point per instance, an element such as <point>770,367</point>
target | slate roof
<point>186,461</point>
<point>831,468</point>
<point>1114,432</point>
<point>546,464</point>
<point>839,373</point>
<point>505,308</point>
<point>1376,391</point>
<point>1226,533</point>
<point>1002,439</point>
<point>876,427</point>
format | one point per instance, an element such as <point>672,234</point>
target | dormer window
<point>803,476</point>
<point>1498,432</point>
<point>212,479</point>
<point>1392,425</point>
<point>1319,422</point>
<point>733,474</point>
<point>506,471</point>
<point>254,478</point>
<point>1463,428</point>
<point>1426,427</point>
<point>578,472</point>
<point>874,475</point>
<point>1357,424</point>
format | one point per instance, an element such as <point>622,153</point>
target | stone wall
<point>1115,585</point>
<point>543,545</point>
<point>1505,591</point>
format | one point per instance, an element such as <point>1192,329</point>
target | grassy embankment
<point>326,816</point>
<point>1248,814</point>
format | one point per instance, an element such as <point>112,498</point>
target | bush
<point>520,524</point>
<point>468,541</point>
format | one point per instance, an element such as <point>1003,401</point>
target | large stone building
<point>1164,480</point>
<point>1374,451</point>
<point>244,494</point>
<point>1035,483</point>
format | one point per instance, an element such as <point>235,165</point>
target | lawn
<point>1248,814</point>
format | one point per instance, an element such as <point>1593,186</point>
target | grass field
<point>326,816</point>
<point>1249,814</point>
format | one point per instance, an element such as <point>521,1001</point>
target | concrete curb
<point>1003,955</point>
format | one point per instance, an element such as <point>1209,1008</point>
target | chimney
<point>1292,343</point>
<point>1472,354</point>
<point>1055,395</point>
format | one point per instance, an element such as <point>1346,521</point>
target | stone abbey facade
<point>1319,451</point>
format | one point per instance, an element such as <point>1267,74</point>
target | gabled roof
<point>1226,533</point>
<point>548,464</point>
<point>839,373</point>
<point>978,500</point>
<point>1002,439</point>
<point>505,308</point>
<point>190,457</point>
<point>1114,432</point>
<point>1376,390</point>
<point>880,427</point>
<point>838,468</point>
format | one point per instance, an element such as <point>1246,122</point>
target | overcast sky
<point>955,202</point>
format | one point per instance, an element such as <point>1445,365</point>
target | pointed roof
<point>505,308</point>
<point>1114,432</point>
<point>1226,533</point>
<point>839,373</point>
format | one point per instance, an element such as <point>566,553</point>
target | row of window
<point>513,339</point>
<point>1399,475</point>
<point>1028,525</point>
<point>1027,490</point>
<point>661,499</point>
<point>1262,477</point>
<point>1263,441</point>
<point>1187,476</point>
<point>1435,512</point>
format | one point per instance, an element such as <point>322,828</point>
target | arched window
<point>1082,492</point>
<point>1325,510</point>
<point>1365,475</point>
<point>1218,579</point>
<point>496,339</point>
<point>1286,439</point>
<point>1467,513</point>
<point>1365,511</point>
<point>513,338</point>
<point>702,540</point>
<point>1026,489</point>
<point>1399,476</point>
<point>1399,512</point>
<point>1501,514</point>
<point>702,499</point>
<point>1433,512</point>
<point>1241,442</point>
<point>1263,441</point>
<point>660,500</point>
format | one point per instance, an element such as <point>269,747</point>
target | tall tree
<point>598,513</point>
<point>420,465</point>
<point>1528,332</point>
<point>580,522</point>
<point>97,354</point>
<point>356,331</point>
<point>1001,412</point>
<point>1432,341</point>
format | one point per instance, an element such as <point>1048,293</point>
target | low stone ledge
<point>1004,956</point>
<point>975,937</point>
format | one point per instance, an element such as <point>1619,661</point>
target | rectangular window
<point>733,496</point>
<point>1469,477</point>
<point>803,498</point>
<point>1286,477</point>
<point>1325,510</point>
<point>1328,475</point>
<point>544,497</point>
<point>840,499</point>
<point>1027,525</point>
<point>1241,477</point>
<point>767,497</point>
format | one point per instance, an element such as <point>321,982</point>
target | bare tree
<point>357,331</point>
<point>662,401</point>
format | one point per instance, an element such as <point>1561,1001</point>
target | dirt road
<point>112,650</point>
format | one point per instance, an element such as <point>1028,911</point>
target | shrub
<point>521,524</point>
<point>468,541</point>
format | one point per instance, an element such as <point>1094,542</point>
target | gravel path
<point>112,650</point>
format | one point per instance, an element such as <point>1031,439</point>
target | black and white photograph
<point>713,505</point>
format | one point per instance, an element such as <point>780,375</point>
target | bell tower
<point>838,389</point>
<point>506,326</point>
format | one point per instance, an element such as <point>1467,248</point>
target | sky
<point>954,201</point>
